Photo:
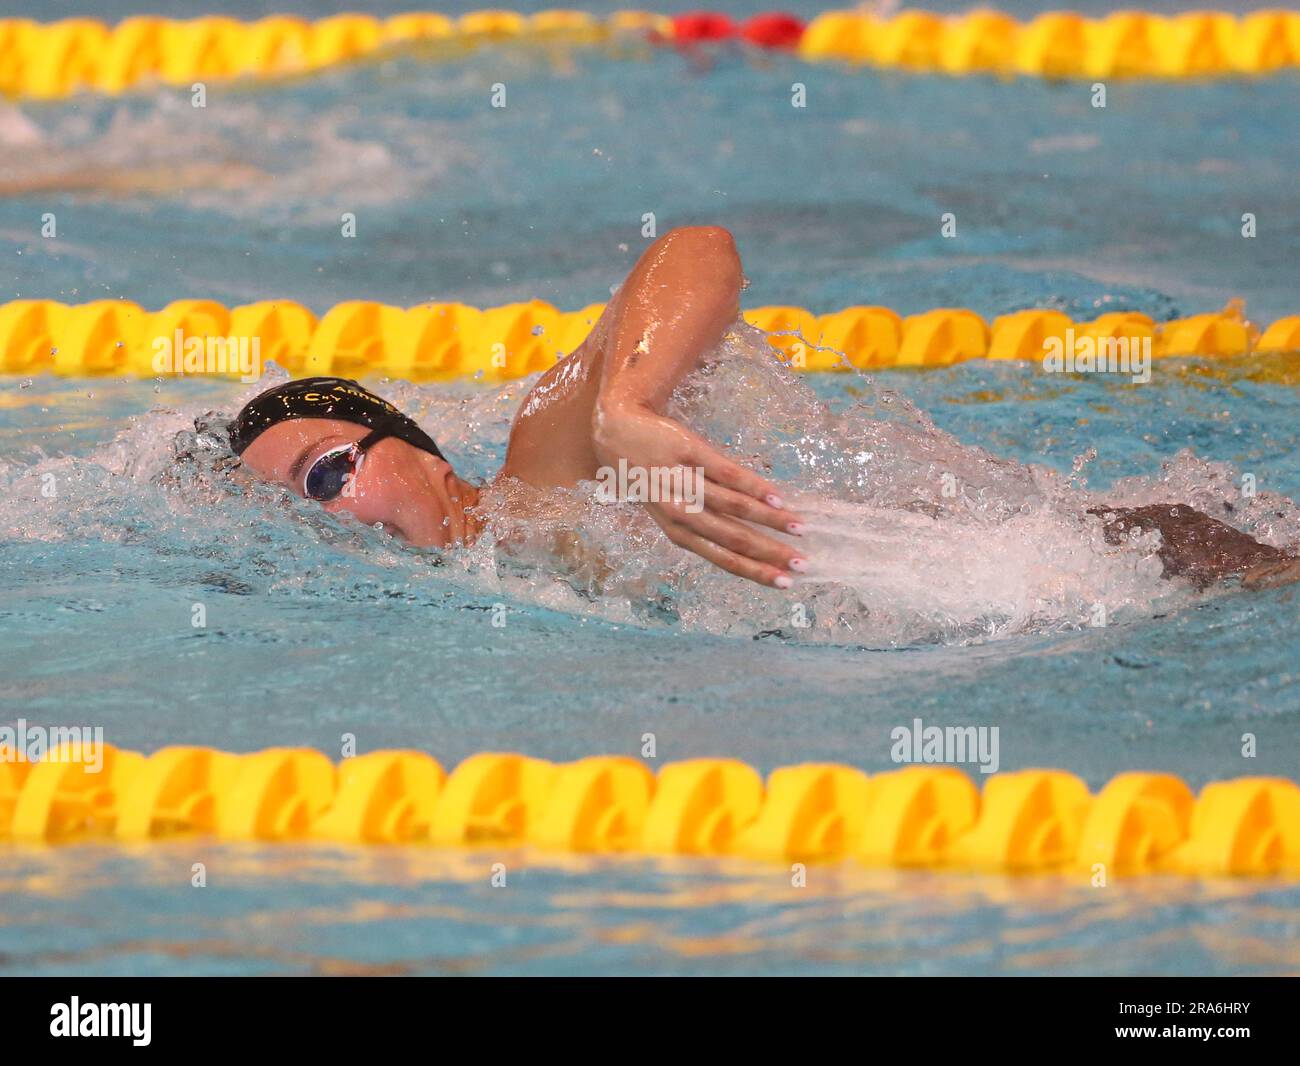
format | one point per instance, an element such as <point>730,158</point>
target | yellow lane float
<point>921,816</point>
<point>436,341</point>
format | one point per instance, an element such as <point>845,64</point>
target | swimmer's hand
<point>720,497</point>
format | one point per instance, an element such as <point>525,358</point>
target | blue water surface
<point>1057,204</point>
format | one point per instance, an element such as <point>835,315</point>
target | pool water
<point>316,629</point>
<point>409,911</point>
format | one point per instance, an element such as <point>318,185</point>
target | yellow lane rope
<point>919,816</point>
<point>440,341</point>
<point>57,59</point>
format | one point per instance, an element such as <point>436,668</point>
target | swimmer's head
<point>331,440</point>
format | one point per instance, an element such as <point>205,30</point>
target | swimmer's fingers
<point>730,474</point>
<point>735,537</point>
<point>729,502</point>
<point>724,559</point>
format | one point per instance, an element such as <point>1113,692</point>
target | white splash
<point>913,536</point>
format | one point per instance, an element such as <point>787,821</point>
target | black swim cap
<point>323,397</point>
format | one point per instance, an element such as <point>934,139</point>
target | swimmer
<point>331,440</point>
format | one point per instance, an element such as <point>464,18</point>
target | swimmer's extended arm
<point>605,401</point>
<point>675,306</point>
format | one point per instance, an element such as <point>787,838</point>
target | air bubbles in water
<point>913,537</point>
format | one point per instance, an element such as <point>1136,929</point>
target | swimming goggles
<point>328,477</point>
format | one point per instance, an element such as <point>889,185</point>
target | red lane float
<point>773,30</point>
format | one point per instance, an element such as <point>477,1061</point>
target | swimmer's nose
<point>395,487</point>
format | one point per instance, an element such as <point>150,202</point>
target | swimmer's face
<point>414,494</point>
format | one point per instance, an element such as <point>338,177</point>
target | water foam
<point>914,537</point>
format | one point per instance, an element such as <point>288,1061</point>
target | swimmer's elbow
<point>710,251</point>
<point>710,243</point>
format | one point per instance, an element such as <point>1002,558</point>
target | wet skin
<point>604,403</point>
<point>1199,548</point>
<point>600,406</point>
<point>415,495</point>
